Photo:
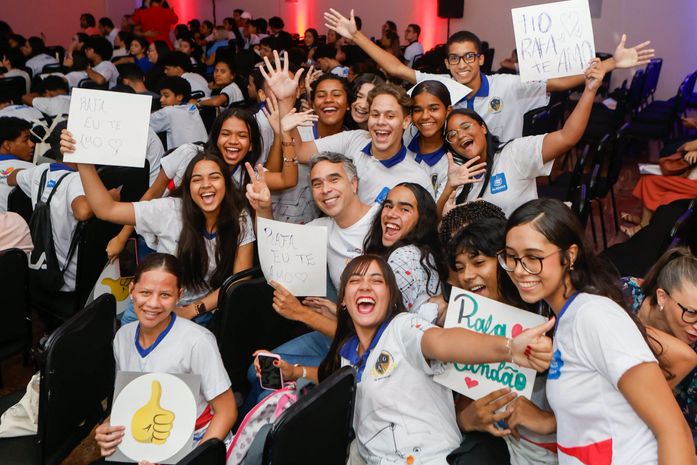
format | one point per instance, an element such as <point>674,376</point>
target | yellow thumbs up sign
<point>151,423</point>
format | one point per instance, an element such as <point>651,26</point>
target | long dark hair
<point>424,235</point>
<point>345,328</point>
<point>155,261</point>
<point>493,145</point>
<point>435,88</point>
<point>192,247</point>
<point>255,140</point>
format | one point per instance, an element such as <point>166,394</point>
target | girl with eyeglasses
<point>511,168</point>
<point>610,398</point>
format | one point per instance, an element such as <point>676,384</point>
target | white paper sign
<point>111,128</point>
<point>111,282</point>
<point>487,316</point>
<point>294,255</point>
<point>553,39</point>
<point>159,413</point>
<point>456,90</point>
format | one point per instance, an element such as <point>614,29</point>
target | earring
<point>660,307</point>
<point>571,267</point>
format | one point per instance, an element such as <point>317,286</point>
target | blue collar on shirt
<point>60,167</point>
<point>144,352</point>
<point>315,131</point>
<point>563,309</point>
<point>393,160</point>
<point>429,158</point>
<point>349,350</point>
<point>209,235</point>
<point>482,92</point>
<point>7,156</point>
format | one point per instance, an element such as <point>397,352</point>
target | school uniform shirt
<point>184,347</point>
<point>153,153</point>
<point>14,233</point>
<point>344,244</point>
<point>21,73</point>
<point>401,415</point>
<point>435,164</point>
<point>233,93</point>
<point>414,283</point>
<point>267,134</point>
<point>36,63</point>
<point>112,35</point>
<point>106,68</point>
<point>159,221</point>
<point>8,164</point>
<point>62,219</point>
<point>412,51</point>
<point>513,174</point>
<point>595,344</point>
<point>182,123</point>
<point>197,82</point>
<point>501,101</point>
<point>52,106</point>
<point>296,204</point>
<point>375,177</point>
<point>174,165</point>
<point>341,71</point>
<point>24,112</point>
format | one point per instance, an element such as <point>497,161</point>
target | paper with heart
<point>109,128</point>
<point>487,316</point>
<point>294,255</point>
<point>553,39</point>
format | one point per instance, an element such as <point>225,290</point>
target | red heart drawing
<point>517,329</point>
<point>471,382</point>
<point>408,273</point>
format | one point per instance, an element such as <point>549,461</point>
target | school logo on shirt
<point>382,195</point>
<point>383,365</point>
<point>498,183</point>
<point>6,172</point>
<point>495,105</point>
<point>556,366</point>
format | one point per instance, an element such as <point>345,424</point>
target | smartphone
<point>271,376</point>
<point>128,259</point>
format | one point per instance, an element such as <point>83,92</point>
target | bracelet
<point>288,144</point>
<point>508,348</point>
<point>303,368</point>
<point>290,160</point>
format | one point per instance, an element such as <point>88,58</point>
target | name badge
<point>498,183</point>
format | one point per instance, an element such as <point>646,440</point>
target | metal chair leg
<point>614,209</point>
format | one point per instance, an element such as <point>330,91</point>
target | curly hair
<point>462,215</point>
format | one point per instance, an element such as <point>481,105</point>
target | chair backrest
<point>20,203</point>
<point>636,91</point>
<point>619,150</point>
<point>14,87</point>
<point>76,376</point>
<point>15,331</point>
<point>53,68</point>
<point>211,452</point>
<point>88,83</point>
<point>653,72</point>
<point>684,231</point>
<point>56,51</point>
<point>577,173</point>
<point>580,197</point>
<point>245,321</point>
<point>488,60</point>
<point>682,99</point>
<point>318,428</point>
<point>91,256</point>
<point>535,120</point>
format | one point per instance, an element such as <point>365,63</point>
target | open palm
<point>278,77</point>
<point>638,55</point>
<point>339,23</point>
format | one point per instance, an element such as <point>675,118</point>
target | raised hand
<point>67,142</point>
<point>278,77</point>
<point>273,113</point>
<point>467,173</point>
<point>294,119</point>
<point>594,75</point>
<point>258,193</point>
<point>286,304</point>
<point>337,22</point>
<point>638,55</point>
<point>532,349</point>
<point>311,76</point>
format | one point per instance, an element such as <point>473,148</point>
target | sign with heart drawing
<point>109,128</point>
<point>294,255</point>
<point>476,313</point>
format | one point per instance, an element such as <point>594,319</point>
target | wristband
<point>303,368</point>
<point>508,348</point>
<point>288,144</point>
<point>290,160</point>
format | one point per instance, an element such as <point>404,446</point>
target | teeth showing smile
<point>527,284</point>
<point>361,111</point>
<point>477,288</point>
<point>365,300</point>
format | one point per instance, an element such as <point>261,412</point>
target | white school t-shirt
<point>52,106</point>
<point>8,164</point>
<point>182,123</point>
<point>159,221</point>
<point>187,348</point>
<point>24,112</point>
<point>62,220</point>
<point>197,82</point>
<point>400,411</point>
<point>233,93</point>
<point>174,165</point>
<point>37,63</point>
<point>153,153</point>
<point>267,135</point>
<point>374,178</point>
<point>344,244</point>
<point>438,173</point>
<point>513,174</point>
<point>595,344</point>
<point>414,283</point>
<point>411,51</point>
<point>108,70</point>
<point>501,101</point>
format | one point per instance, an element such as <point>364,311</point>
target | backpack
<point>247,446</point>
<point>44,270</point>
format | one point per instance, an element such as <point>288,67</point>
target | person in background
<point>12,60</point>
<point>414,48</point>
<point>34,49</point>
<point>14,233</point>
<point>88,25</point>
<point>107,30</point>
<point>16,152</point>
<point>155,22</point>
<point>178,118</point>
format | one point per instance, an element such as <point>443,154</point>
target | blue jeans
<point>307,350</point>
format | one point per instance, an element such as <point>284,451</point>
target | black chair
<point>15,332</point>
<point>20,203</point>
<point>653,72</point>
<point>13,87</point>
<point>54,68</point>
<point>685,230</point>
<point>56,51</point>
<point>488,60</point>
<point>567,182</point>
<point>318,428</point>
<point>88,83</point>
<point>636,91</point>
<point>77,376</point>
<point>211,452</point>
<point>543,120</point>
<point>245,321</point>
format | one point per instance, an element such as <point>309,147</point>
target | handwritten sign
<point>294,255</point>
<point>487,316</point>
<point>110,128</point>
<point>159,413</point>
<point>553,40</point>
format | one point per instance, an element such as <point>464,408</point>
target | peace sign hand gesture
<point>258,193</point>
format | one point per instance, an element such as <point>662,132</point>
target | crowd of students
<point>419,191</point>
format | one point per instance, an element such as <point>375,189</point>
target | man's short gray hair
<point>334,157</point>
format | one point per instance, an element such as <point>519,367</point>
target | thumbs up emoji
<point>151,423</point>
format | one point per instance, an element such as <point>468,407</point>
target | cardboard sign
<point>294,255</point>
<point>487,316</point>
<point>159,413</point>
<point>111,282</point>
<point>110,128</point>
<point>553,40</point>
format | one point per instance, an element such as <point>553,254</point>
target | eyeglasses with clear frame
<point>530,263</point>
<point>452,135</point>
<point>688,316</point>
<point>468,57</point>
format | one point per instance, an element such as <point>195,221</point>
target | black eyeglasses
<point>530,263</point>
<point>688,316</point>
<point>469,57</point>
